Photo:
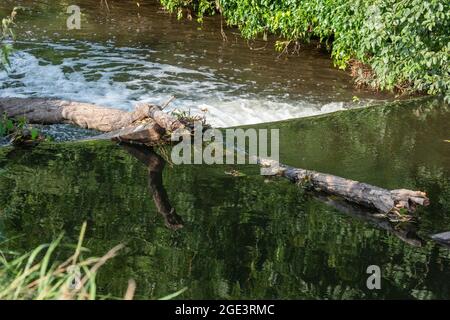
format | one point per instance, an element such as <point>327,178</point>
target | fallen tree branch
<point>385,201</point>
<point>149,125</point>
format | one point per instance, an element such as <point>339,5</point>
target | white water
<point>120,77</point>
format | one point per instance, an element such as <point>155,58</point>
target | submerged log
<point>149,125</point>
<point>385,201</point>
<point>406,232</point>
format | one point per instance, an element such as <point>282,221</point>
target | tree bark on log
<point>140,126</point>
<point>149,125</point>
<point>385,201</point>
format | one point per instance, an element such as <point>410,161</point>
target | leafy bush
<point>390,44</point>
<point>200,7</point>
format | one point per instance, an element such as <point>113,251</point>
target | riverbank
<point>388,45</point>
<point>154,56</point>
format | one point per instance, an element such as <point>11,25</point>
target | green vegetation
<point>40,275</point>
<point>35,275</point>
<point>10,126</point>
<point>388,44</point>
<point>19,132</point>
<point>6,32</point>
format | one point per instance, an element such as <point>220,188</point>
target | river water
<point>243,236</point>
<point>132,54</point>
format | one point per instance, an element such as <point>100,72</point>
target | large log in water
<point>139,126</point>
<point>385,201</point>
<point>148,124</point>
<point>84,115</point>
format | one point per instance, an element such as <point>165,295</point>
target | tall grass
<point>37,275</point>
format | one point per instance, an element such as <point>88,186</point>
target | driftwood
<point>385,201</point>
<point>139,126</point>
<point>149,125</point>
<point>406,232</point>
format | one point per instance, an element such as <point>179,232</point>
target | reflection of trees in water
<point>405,231</point>
<point>242,237</point>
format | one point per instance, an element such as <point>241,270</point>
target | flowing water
<point>243,236</point>
<point>135,54</point>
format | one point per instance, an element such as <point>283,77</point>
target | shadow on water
<point>155,164</point>
<point>246,236</point>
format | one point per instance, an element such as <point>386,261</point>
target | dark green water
<point>243,237</point>
<point>247,237</point>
